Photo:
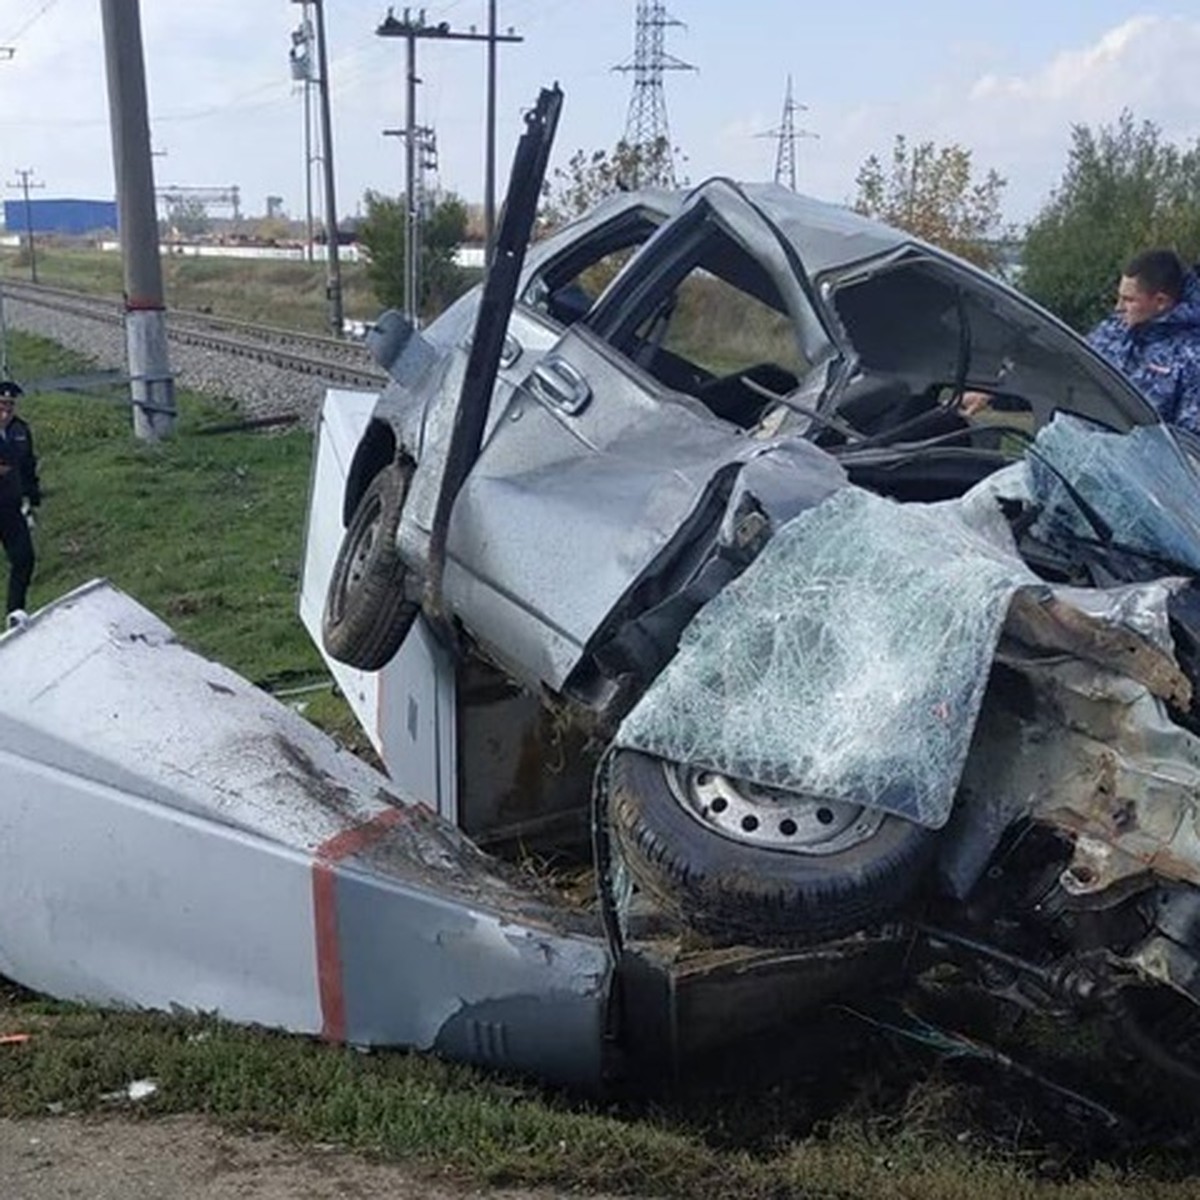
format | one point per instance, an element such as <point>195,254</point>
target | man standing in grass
<point>19,494</point>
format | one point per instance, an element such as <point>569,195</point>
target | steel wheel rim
<point>770,817</point>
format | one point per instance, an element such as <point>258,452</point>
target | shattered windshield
<point>1141,486</point>
<point>849,661</point>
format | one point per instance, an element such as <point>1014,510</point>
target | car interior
<point>952,377</point>
<point>709,322</point>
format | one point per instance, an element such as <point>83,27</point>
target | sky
<point>1005,79</point>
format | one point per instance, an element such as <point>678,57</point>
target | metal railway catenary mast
<point>414,29</point>
<point>646,127</point>
<point>426,169</point>
<point>302,60</point>
<point>333,269</point>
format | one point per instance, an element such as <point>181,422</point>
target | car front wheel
<point>367,609</point>
<point>745,863</point>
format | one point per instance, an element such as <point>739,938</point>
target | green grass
<point>206,530</point>
<point>484,1130</point>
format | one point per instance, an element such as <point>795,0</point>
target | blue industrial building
<point>60,216</point>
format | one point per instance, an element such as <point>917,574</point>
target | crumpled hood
<point>849,662</point>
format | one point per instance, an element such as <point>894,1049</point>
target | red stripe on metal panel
<point>324,883</point>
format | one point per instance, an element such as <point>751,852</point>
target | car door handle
<point>556,382</point>
<point>510,352</point>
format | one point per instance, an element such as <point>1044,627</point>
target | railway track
<point>330,359</point>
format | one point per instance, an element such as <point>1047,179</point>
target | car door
<point>565,279</point>
<point>610,449</point>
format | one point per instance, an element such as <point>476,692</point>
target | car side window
<point>566,287</point>
<point>712,323</point>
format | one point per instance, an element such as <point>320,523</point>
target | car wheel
<point>762,865</point>
<point>367,609</point>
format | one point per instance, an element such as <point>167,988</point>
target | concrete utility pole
<point>24,185</point>
<point>414,30</point>
<point>6,52</point>
<point>151,383</point>
<point>308,168</point>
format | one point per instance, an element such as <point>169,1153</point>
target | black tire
<point>367,610</point>
<point>737,891</point>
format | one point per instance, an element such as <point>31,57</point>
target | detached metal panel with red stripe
<point>172,837</point>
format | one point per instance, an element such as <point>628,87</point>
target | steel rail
<point>309,354</point>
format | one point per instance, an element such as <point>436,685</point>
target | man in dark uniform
<point>1154,335</point>
<point>20,492</point>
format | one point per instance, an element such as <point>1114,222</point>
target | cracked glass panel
<point>1141,485</point>
<point>849,661</point>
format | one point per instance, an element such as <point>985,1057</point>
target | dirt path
<point>186,1158</point>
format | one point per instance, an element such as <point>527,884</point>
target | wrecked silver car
<point>850,660</point>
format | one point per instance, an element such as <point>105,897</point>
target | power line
<point>41,12</point>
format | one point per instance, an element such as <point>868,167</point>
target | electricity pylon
<point>646,127</point>
<point>786,136</point>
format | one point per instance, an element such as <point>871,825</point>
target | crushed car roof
<point>825,235</point>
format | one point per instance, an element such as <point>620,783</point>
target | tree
<point>928,190</point>
<point>442,232</point>
<point>443,228</point>
<point>188,217</point>
<point>1124,190</point>
<point>587,178</point>
<point>270,229</point>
